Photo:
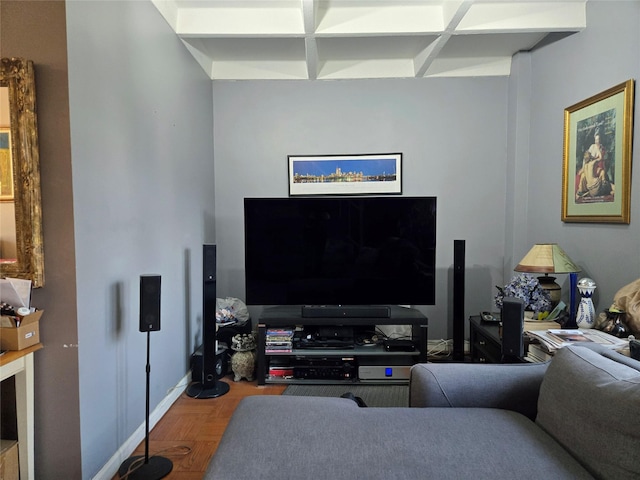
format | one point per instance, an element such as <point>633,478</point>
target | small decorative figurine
<point>243,361</point>
<point>586,316</point>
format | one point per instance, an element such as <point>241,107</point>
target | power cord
<point>441,349</point>
<point>180,386</point>
<point>444,348</point>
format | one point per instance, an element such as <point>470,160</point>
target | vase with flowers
<point>526,287</point>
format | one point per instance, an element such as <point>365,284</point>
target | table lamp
<point>550,258</point>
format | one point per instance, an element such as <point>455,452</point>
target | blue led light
<point>388,372</point>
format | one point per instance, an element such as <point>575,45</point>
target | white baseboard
<point>126,449</point>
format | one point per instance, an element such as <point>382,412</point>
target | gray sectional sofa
<point>575,417</point>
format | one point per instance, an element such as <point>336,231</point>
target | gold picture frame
<point>596,172</point>
<point>17,77</point>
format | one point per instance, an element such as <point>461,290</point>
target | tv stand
<point>339,359</point>
<point>346,311</point>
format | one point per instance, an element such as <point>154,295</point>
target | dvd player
<point>336,337</point>
<point>303,343</point>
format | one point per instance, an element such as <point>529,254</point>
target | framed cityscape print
<point>596,173</point>
<point>362,174</point>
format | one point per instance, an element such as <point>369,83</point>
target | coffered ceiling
<point>345,39</point>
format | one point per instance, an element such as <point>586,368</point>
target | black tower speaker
<point>458,300</point>
<point>208,385</point>
<point>512,325</point>
<point>149,303</point>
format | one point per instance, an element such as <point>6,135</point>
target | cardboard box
<point>27,334</point>
<point>9,466</point>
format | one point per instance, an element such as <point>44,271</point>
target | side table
<point>484,340</point>
<point>19,364</point>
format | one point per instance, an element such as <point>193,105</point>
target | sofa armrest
<point>507,386</point>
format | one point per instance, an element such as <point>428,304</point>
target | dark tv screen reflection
<point>340,250</point>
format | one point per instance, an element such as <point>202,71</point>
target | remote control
<point>489,317</point>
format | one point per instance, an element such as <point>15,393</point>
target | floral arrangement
<point>527,288</point>
<point>226,315</point>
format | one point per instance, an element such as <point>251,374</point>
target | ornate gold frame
<point>610,113</point>
<point>17,74</point>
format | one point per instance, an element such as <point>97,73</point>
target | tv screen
<point>340,250</point>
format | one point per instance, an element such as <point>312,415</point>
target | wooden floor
<point>190,431</point>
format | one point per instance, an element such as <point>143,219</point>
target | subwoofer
<point>220,366</point>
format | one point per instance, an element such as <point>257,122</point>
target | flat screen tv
<point>340,250</point>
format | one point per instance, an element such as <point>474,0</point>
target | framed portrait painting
<point>596,173</point>
<point>361,174</point>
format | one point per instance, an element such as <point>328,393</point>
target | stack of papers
<point>16,292</point>
<point>552,339</point>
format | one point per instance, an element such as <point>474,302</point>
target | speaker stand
<point>200,390</point>
<point>142,467</point>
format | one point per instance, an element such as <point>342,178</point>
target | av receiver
<point>325,368</point>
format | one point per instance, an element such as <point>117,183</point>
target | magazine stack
<point>553,339</point>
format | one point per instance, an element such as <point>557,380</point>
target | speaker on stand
<point>458,300</point>
<point>208,386</point>
<point>145,467</point>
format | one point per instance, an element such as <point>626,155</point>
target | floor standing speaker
<point>458,299</point>
<point>208,385</point>
<point>512,326</point>
<point>149,303</point>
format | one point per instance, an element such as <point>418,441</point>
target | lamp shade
<point>546,258</point>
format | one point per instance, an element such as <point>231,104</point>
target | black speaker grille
<point>150,303</point>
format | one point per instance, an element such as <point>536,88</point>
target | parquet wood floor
<point>190,431</point>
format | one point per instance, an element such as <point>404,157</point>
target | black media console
<point>332,345</point>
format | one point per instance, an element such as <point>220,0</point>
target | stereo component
<point>325,368</point>
<point>384,372</point>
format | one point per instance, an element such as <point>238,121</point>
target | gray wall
<point>452,133</point>
<point>142,157</point>
<point>562,74</point>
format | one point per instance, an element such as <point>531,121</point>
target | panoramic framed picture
<point>6,166</point>
<point>596,172</point>
<point>362,174</point>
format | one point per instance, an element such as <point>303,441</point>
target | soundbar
<point>346,311</point>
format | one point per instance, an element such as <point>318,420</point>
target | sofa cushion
<point>590,403</point>
<point>287,437</point>
<point>512,386</point>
